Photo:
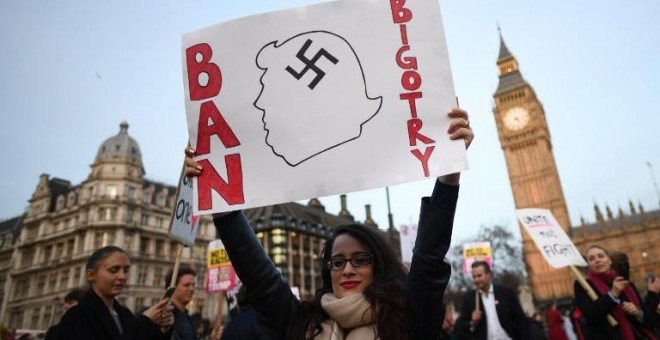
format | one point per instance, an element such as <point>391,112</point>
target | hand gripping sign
<point>319,100</point>
<point>555,246</point>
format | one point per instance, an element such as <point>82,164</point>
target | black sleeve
<point>145,329</point>
<point>272,298</point>
<point>429,272</point>
<point>594,311</point>
<point>519,317</point>
<point>650,306</point>
<point>73,325</point>
<point>464,320</point>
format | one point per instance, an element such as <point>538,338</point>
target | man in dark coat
<point>499,315</point>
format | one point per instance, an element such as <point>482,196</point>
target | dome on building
<point>121,145</point>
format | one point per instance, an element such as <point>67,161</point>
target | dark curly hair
<point>386,294</point>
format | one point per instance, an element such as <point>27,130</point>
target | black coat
<point>91,319</point>
<point>509,312</point>
<point>244,326</point>
<point>277,307</point>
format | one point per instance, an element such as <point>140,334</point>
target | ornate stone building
<point>43,252</point>
<point>525,139</point>
<point>65,223</point>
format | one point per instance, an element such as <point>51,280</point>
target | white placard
<point>408,235</point>
<point>549,237</point>
<point>319,100</point>
<point>185,222</point>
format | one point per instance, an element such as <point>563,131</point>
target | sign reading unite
<point>317,101</point>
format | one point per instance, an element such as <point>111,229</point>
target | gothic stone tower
<point>527,146</point>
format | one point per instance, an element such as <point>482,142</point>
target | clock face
<point>516,118</point>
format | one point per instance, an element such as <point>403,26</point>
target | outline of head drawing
<point>313,95</point>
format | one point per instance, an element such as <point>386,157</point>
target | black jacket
<point>91,319</point>
<point>429,274</point>
<point>509,312</point>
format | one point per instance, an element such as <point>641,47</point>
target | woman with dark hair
<point>365,292</point>
<point>99,316</point>
<point>616,297</point>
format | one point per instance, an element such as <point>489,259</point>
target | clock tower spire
<point>525,140</point>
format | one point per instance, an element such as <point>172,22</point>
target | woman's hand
<point>192,168</point>
<point>216,334</point>
<point>618,285</point>
<point>161,314</point>
<point>630,308</point>
<point>459,128</point>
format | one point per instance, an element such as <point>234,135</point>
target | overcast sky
<point>71,71</point>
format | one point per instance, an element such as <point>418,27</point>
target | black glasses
<point>357,261</point>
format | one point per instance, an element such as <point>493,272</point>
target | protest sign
<point>220,275</point>
<point>184,224</point>
<point>476,251</point>
<point>319,100</point>
<point>549,237</point>
<point>408,234</point>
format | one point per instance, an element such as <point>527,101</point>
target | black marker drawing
<point>313,95</point>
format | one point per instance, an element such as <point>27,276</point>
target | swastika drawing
<point>313,95</point>
<point>310,64</point>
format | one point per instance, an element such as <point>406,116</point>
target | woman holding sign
<point>616,296</point>
<point>365,292</point>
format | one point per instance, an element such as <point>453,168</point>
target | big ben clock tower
<point>527,146</point>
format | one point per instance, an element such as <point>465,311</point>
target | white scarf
<point>350,318</point>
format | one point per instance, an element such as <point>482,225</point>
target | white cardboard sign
<point>185,222</point>
<point>549,237</point>
<point>320,100</point>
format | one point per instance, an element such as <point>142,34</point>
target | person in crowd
<point>616,297</point>
<point>555,324</point>
<point>652,303</point>
<point>569,328</point>
<point>536,327</point>
<point>364,293</point>
<point>100,316</point>
<point>70,299</point>
<point>244,324</point>
<point>185,284</point>
<point>500,315</point>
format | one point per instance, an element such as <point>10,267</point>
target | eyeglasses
<point>357,261</point>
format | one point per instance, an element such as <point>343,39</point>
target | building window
<point>158,276</point>
<point>129,215</point>
<point>76,275</point>
<point>52,282</point>
<point>144,245</point>
<point>64,279</point>
<point>34,322</point>
<point>111,191</point>
<point>142,276</point>
<point>47,253</point>
<point>130,192</point>
<point>144,219</point>
<point>159,222</point>
<point>28,256</point>
<point>160,248</point>
<point>69,246</point>
<point>41,283</point>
